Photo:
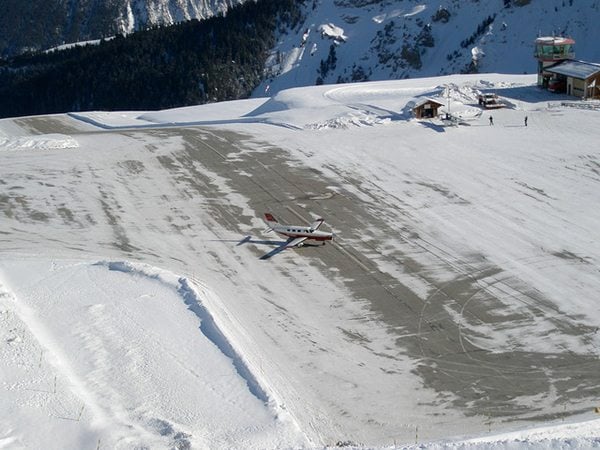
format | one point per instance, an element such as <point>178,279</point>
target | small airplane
<point>296,234</point>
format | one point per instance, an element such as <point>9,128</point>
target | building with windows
<point>577,78</point>
<point>550,51</point>
<point>559,71</point>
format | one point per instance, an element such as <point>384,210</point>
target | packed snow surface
<point>170,338</point>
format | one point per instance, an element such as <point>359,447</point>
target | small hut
<point>426,108</point>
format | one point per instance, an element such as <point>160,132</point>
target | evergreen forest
<point>194,62</point>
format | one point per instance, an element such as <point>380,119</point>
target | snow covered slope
<point>346,40</point>
<point>84,342</point>
<point>135,312</point>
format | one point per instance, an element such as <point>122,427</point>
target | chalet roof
<point>577,69</point>
<point>422,101</point>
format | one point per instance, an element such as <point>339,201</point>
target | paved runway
<point>441,331</point>
<point>431,329</point>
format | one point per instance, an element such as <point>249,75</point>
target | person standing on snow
<point>525,120</point>
<point>491,120</point>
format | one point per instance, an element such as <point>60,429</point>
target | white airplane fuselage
<point>297,234</point>
<point>292,231</point>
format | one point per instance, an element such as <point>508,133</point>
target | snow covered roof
<point>576,69</point>
<point>554,40</point>
<point>420,102</point>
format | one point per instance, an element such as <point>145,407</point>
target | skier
<point>525,120</point>
<point>491,120</point>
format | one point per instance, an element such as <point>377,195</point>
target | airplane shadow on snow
<point>278,244</point>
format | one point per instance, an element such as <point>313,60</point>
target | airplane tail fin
<point>270,220</point>
<point>316,224</point>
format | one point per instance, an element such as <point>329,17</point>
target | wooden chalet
<point>426,108</point>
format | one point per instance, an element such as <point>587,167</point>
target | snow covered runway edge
<point>109,352</point>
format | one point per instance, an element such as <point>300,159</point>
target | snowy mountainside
<point>144,12</point>
<point>38,25</point>
<point>359,40</point>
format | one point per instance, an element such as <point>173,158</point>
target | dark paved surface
<point>440,331</point>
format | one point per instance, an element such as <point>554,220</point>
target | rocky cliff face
<point>41,24</point>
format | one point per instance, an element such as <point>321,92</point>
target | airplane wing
<point>316,224</point>
<point>273,252</point>
<point>287,244</point>
<point>295,242</point>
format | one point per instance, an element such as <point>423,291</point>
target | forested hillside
<point>220,58</point>
<point>35,25</point>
